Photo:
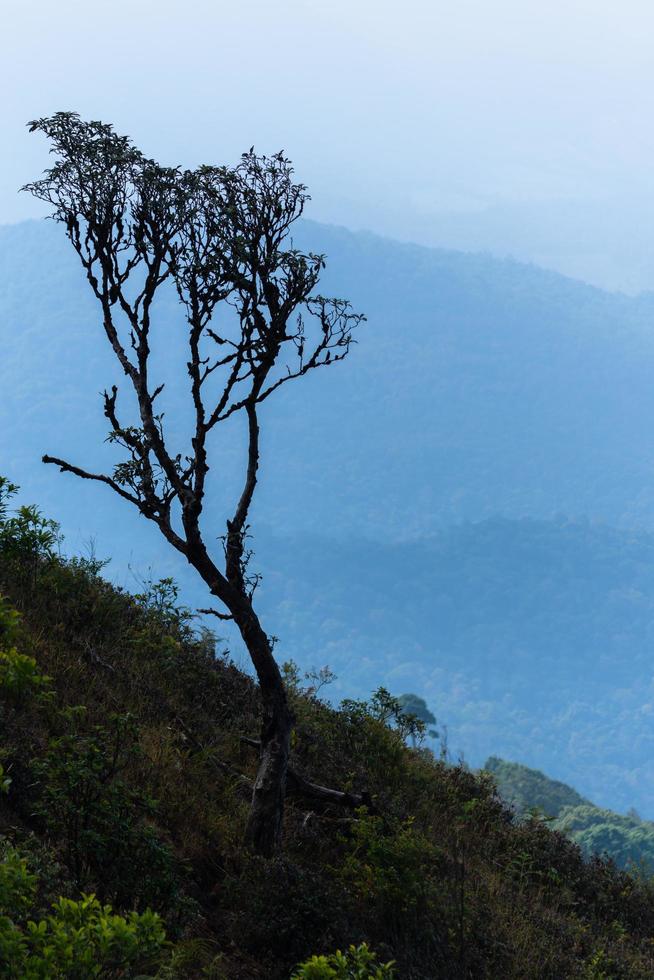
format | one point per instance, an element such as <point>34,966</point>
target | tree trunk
<point>264,826</point>
<point>265,822</point>
<point>263,833</point>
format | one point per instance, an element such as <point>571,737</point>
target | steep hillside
<point>125,774</point>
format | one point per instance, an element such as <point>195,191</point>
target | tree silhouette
<point>416,706</point>
<point>252,322</point>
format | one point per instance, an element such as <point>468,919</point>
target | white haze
<point>512,126</point>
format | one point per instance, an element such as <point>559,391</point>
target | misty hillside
<point>478,387</point>
<point>532,640</point>
<point>480,391</point>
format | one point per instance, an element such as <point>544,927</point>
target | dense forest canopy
<point>529,639</point>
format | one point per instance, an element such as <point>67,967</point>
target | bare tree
<point>252,322</point>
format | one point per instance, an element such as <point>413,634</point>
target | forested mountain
<point>526,790</point>
<point>431,510</point>
<point>626,839</point>
<point>478,387</point>
<point>529,639</point>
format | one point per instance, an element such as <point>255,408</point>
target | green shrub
<point>161,600</point>
<point>100,820</point>
<point>76,940</point>
<point>382,707</point>
<point>7,491</point>
<point>79,940</point>
<point>9,621</point>
<point>359,963</point>
<point>28,534</point>
<point>17,884</point>
<point>19,674</point>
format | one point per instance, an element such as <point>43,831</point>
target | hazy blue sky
<point>511,125</point>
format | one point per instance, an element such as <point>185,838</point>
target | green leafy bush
<point>161,599</point>
<point>27,537</point>
<point>76,940</point>
<point>79,940</point>
<point>9,621</point>
<point>7,491</point>
<point>358,963</point>
<point>383,707</point>
<point>19,673</point>
<point>17,883</point>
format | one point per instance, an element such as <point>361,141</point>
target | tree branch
<point>225,617</point>
<point>315,791</point>
<point>99,477</point>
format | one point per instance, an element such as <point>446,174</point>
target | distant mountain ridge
<point>485,404</point>
<point>478,387</point>
<point>528,639</point>
<point>528,789</point>
<point>627,840</point>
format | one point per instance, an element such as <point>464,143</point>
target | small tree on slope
<point>252,323</point>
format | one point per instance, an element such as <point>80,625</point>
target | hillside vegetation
<point>126,776</point>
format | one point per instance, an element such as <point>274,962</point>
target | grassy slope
<point>441,880</point>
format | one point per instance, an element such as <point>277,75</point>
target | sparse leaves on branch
<point>218,235</point>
